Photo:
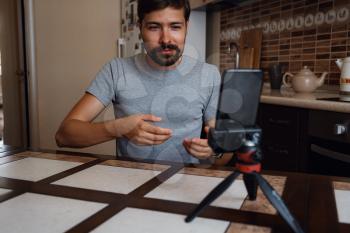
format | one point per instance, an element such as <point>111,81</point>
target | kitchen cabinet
<point>329,143</point>
<point>308,133</point>
<point>334,125</point>
<point>285,139</point>
<point>200,3</point>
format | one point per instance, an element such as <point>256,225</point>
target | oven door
<point>328,157</point>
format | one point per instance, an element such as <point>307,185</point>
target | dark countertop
<point>287,97</point>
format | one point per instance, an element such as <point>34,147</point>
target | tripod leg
<point>251,185</point>
<point>278,203</point>
<point>215,193</point>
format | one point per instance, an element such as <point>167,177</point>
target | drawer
<point>279,157</point>
<point>284,139</point>
<point>323,124</point>
<point>278,116</point>
<point>278,123</point>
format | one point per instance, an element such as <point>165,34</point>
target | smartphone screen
<point>239,98</point>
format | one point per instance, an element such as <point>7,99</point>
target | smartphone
<point>239,98</point>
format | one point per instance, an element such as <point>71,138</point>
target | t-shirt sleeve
<point>210,110</point>
<point>102,87</point>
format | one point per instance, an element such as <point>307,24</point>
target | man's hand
<point>139,130</point>
<point>198,147</point>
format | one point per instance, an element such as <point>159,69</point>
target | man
<point>160,99</point>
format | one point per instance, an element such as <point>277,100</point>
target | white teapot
<point>344,66</point>
<point>304,81</point>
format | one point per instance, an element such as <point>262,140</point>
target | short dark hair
<point>147,6</point>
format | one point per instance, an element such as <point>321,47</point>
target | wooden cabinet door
<point>283,134</point>
<point>199,3</point>
<point>13,98</point>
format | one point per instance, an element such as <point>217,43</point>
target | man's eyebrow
<point>159,23</point>
<point>182,23</point>
<point>153,22</point>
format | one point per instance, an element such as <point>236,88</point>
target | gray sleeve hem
<point>95,93</point>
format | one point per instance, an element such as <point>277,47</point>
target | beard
<point>165,59</point>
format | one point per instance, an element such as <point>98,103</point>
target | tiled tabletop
<point>139,220</point>
<point>108,178</point>
<point>191,188</point>
<point>49,192</point>
<point>4,191</point>
<point>342,197</point>
<point>34,169</point>
<point>34,213</point>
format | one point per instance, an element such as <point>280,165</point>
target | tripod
<point>248,158</point>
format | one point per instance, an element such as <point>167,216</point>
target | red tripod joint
<point>248,168</point>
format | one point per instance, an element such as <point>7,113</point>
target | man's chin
<point>169,61</point>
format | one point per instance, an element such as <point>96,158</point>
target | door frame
<point>32,86</point>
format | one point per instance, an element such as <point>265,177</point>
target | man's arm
<point>78,130</point>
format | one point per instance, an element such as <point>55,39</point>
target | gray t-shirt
<point>184,98</point>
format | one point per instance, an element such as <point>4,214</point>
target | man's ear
<point>139,24</point>
<point>187,23</point>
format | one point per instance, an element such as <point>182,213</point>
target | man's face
<point>164,34</point>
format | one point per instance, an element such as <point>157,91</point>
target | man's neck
<point>162,68</point>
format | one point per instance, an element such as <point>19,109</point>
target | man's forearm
<point>78,134</point>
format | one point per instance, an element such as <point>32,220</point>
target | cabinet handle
<point>276,150</point>
<point>339,129</point>
<point>279,122</point>
<point>330,154</point>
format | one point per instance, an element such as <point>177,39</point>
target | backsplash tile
<point>296,33</point>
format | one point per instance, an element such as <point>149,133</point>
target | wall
<point>73,39</point>
<point>213,38</point>
<point>297,33</point>
<point>196,34</point>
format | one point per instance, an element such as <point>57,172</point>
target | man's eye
<point>153,28</point>
<point>176,27</point>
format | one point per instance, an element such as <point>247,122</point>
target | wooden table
<point>6,150</point>
<point>77,193</point>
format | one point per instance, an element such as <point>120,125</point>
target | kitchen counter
<point>287,97</point>
<point>72,192</point>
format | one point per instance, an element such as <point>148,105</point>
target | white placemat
<point>34,169</point>
<point>132,220</point>
<point>192,189</point>
<point>109,178</point>
<point>33,213</point>
<point>342,198</point>
<point>4,191</point>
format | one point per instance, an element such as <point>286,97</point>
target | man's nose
<point>165,37</point>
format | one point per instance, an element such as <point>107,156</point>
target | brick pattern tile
<point>316,45</point>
